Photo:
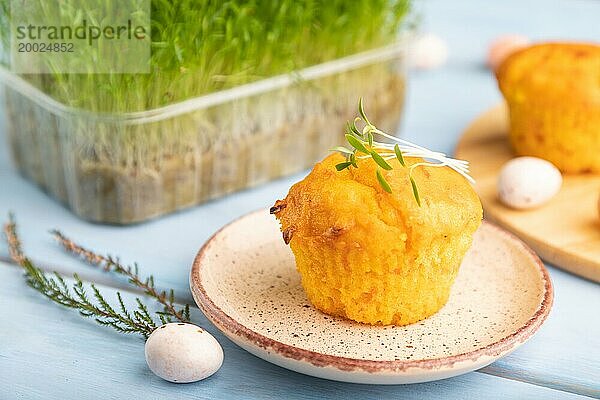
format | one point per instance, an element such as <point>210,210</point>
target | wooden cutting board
<point>566,231</point>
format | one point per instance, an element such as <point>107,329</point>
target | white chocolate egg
<point>502,47</point>
<point>183,353</point>
<point>429,51</point>
<point>528,182</point>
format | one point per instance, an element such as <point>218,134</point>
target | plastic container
<point>126,168</point>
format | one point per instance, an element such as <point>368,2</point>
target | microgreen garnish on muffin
<point>365,146</point>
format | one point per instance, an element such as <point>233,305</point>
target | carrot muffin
<point>373,256</point>
<point>553,95</point>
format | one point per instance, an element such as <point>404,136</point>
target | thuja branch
<point>56,289</point>
<point>110,264</point>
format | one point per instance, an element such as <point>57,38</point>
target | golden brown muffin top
<point>328,203</point>
<point>555,71</point>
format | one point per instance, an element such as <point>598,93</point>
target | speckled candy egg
<point>528,182</point>
<point>183,353</point>
<point>503,46</point>
<point>429,51</point>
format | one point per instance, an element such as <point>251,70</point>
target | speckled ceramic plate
<point>245,281</point>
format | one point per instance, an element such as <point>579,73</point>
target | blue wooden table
<point>49,352</point>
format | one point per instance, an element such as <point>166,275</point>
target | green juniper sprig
<point>54,287</point>
<point>365,146</point>
<point>111,264</point>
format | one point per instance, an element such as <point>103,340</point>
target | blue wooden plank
<point>567,345</point>
<point>563,355</point>
<point>47,351</point>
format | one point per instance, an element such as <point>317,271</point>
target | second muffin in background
<point>553,95</point>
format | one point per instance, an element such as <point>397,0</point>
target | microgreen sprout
<point>365,146</point>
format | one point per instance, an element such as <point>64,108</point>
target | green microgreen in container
<point>200,47</point>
